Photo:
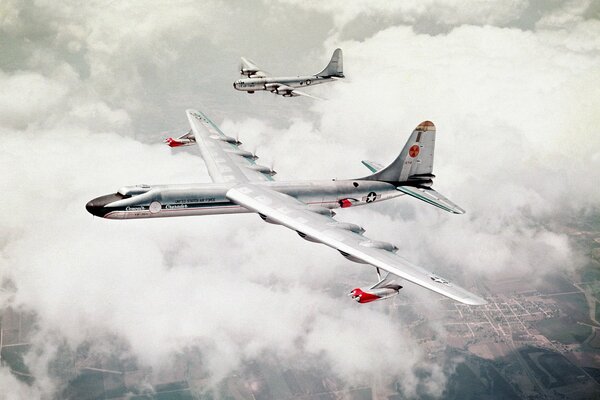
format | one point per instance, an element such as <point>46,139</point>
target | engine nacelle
<point>271,87</point>
<point>242,153</point>
<point>348,226</point>
<point>306,237</point>
<point>227,139</point>
<point>369,295</point>
<point>376,244</point>
<point>267,219</point>
<point>262,169</point>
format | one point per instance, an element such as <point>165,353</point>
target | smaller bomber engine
<point>369,295</point>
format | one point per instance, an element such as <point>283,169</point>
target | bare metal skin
<point>287,86</point>
<point>240,185</point>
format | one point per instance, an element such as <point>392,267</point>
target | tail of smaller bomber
<point>412,170</point>
<point>335,68</point>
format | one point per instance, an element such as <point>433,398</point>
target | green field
<point>593,287</point>
<point>594,343</point>
<point>13,357</point>
<point>563,330</point>
<point>574,307</point>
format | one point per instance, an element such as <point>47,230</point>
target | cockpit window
<point>129,191</point>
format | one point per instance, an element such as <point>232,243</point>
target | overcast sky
<point>89,90</point>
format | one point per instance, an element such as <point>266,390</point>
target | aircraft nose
<point>235,85</point>
<point>98,207</point>
<point>93,208</point>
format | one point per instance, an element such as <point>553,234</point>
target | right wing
<point>315,226</point>
<point>251,70</point>
<point>285,90</point>
<point>296,92</point>
<point>224,159</point>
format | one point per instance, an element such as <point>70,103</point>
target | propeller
<point>254,156</point>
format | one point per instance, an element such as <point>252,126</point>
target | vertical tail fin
<point>335,68</point>
<point>415,162</point>
<point>412,171</point>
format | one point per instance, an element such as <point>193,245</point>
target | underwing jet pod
<point>256,79</point>
<point>240,185</point>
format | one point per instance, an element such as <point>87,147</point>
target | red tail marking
<point>413,151</point>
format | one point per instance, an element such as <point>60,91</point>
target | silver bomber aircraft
<point>287,86</point>
<point>240,185</point>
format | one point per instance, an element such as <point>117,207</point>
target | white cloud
<point>569,14</point>
<point>442,12</point>
<point>518,137</point>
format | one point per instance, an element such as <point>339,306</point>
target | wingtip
<point>477,301</point>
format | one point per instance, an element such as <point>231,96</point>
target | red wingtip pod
<point>426,126</point>
<point>363,297</point>
<point>172,142</point>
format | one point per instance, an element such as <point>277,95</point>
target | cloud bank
<point>88,89</point>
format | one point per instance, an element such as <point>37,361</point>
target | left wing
<point>313,225</point>
<point>251,70</point>
<point>225,160</point>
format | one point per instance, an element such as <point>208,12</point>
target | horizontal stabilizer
<point>432,197</point>
<point>372,165</point>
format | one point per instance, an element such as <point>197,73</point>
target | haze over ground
<point>89,89</point>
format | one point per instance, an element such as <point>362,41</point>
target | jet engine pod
<point>306,237</point>
<point>267,219</point>
<point>352,258</point>
<point>369,295</point>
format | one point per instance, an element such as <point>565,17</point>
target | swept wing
<point>225,160</point>
<point>291,213</point>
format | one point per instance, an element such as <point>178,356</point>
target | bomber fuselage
<point>145,201</point>
<point>252,84</point>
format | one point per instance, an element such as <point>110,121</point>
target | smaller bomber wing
<point>251,70</point>
<point>316,225</point>
<point>287,91</point>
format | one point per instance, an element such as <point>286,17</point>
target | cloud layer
<point>87,91</point>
